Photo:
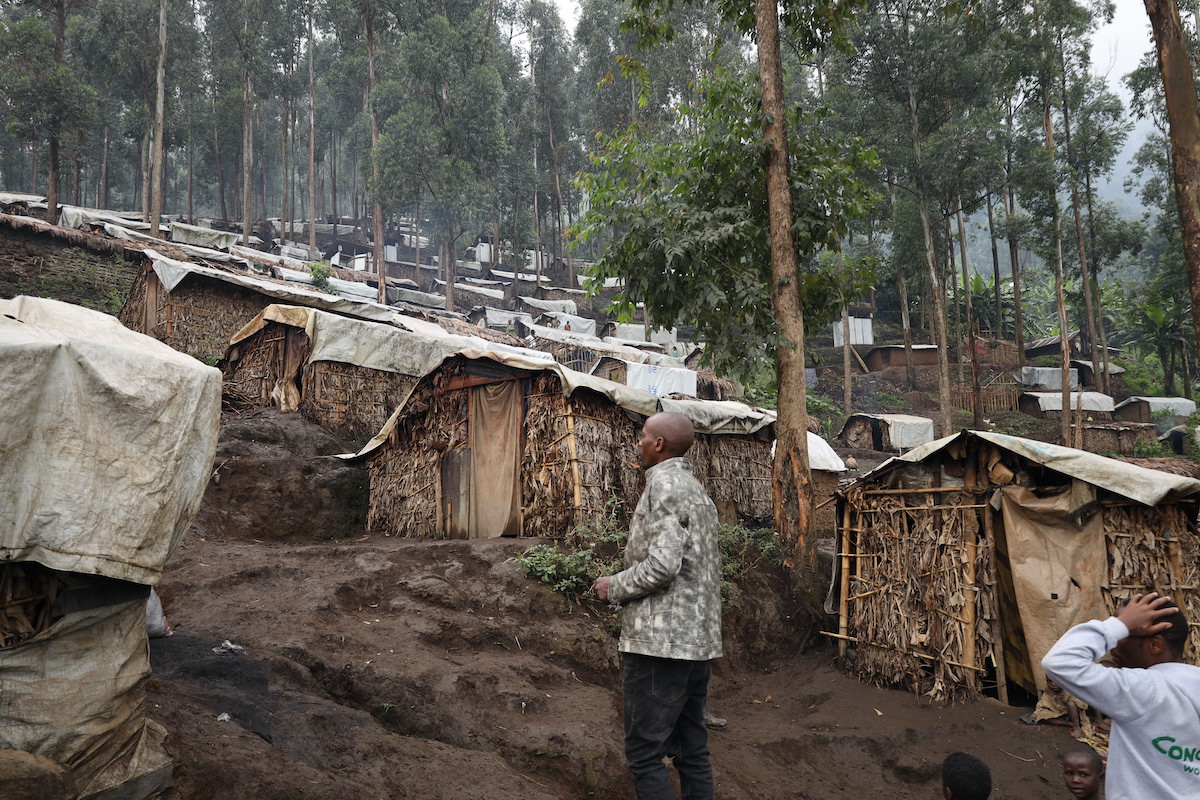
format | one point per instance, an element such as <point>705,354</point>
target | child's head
<point>1052,687</point>
<point>965,777</point>
<point>1083,770</point>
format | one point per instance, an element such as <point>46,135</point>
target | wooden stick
<point>573,451</point>
<point>989,532</point>
<point>915,491</point>
<point>844,602</point>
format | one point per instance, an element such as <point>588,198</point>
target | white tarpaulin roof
<point>495,294</point>
<point>204,237</point>
<point>584,325</point>
<point>410,346</point>
<point>708,416</point>
<point>1147,486</point>
<point>1045,377</point>
<point>8,198</point>
<point>565,306</point>
<point>528,277</point>
<point>416,297</point>
<point>1087,401</point>
<point>355,289</point>
<point>821,455</point>
<point>660,381</point>
<point>172,272</point>
<point>76,217</point>
<point>500,318</point>
<point>904,430</point>
<point>606,346</point>
<point>106,441</point>
<point>1180,406</point>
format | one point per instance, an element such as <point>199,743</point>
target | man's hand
<point>1143,614</point>
<point>600,587</point>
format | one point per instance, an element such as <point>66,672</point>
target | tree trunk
<point>791,482</point>
<point>998,329</point>
<point>847,377</point>
<point>905,322</point>
<point>312,146</point>
<point>1183,115</point>
<point>1010,205</point>
<point>976,402</point>
<point>1060,294</point>
<point>1088,310</point>
<point>247,161</point>
<point>190,169</point>
<point>102,184</point>
<point>936,290</point>
<point>156,154</point>
<point>377,208</point>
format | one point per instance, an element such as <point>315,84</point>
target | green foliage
<point>44,98</point>
<point>1144,376</point>
<point>321,273</point>
<point>682,213</point>
<point>571,567</point>
<point>889,401</point>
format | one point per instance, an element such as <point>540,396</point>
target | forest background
<point>948,160</point>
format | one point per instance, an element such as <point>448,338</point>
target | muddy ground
<point>377,667</point>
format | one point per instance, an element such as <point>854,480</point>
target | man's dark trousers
<point>664,715</point>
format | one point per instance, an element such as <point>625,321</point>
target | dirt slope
<point>386,668</point>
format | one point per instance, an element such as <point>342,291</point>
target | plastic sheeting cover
<point>106,441</point>
<point>172,272</point>
<point>204,237</point>
<point>1088,401</point>
<point>1147,486</point>
<point>1180,406</point>
<point>660,381</point>
<point>565,306</point>
<point>1045,377</point>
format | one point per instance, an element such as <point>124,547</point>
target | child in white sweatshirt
<point>1153,697</point>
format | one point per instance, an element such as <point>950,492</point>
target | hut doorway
<point>486,501</point>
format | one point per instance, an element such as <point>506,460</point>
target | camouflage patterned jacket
<point>671,586</point>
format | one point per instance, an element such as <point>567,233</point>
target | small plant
<point>887,400</point>
<point>321,273</point>
<point>571,567</point>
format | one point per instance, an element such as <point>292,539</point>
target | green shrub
<point>321,273</point>
<point>571,566</point>
<point>889,401</point>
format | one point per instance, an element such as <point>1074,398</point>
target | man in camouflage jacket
<point>671,626</point>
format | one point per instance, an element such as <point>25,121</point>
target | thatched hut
<point>1124,438</point>
<point>489,444</point>
<point>346,375</point>
<point>960,563</point>
<point>887,432</point>
<point>196,309</point>
<point>891,355</point>
<point>1048,405</point>
<point>1173,410</point>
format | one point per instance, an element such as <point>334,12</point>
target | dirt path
<point>387,668</point>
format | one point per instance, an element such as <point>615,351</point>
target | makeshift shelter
<point>1143,409</point>
<point>196,309</point>
<point>1045,377</point>
<point>106,446</point>
<point>960,563</point>
<point>1087,375</point>
<point>891,355</point>
<point>344,374</point>
<point>1093,405</point>
<point>886,431</point>
<point>1125,438</point>
<point>490,444</point>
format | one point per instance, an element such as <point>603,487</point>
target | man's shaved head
<point>665,435</point>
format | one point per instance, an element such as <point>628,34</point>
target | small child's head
<point>1083,770</point>
<point>965,777</point>
<point>1052,687</point>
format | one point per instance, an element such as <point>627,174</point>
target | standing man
<point>671,628</point>
<point>1153,697</point>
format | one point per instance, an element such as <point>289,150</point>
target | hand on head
<point>1145,614</point>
